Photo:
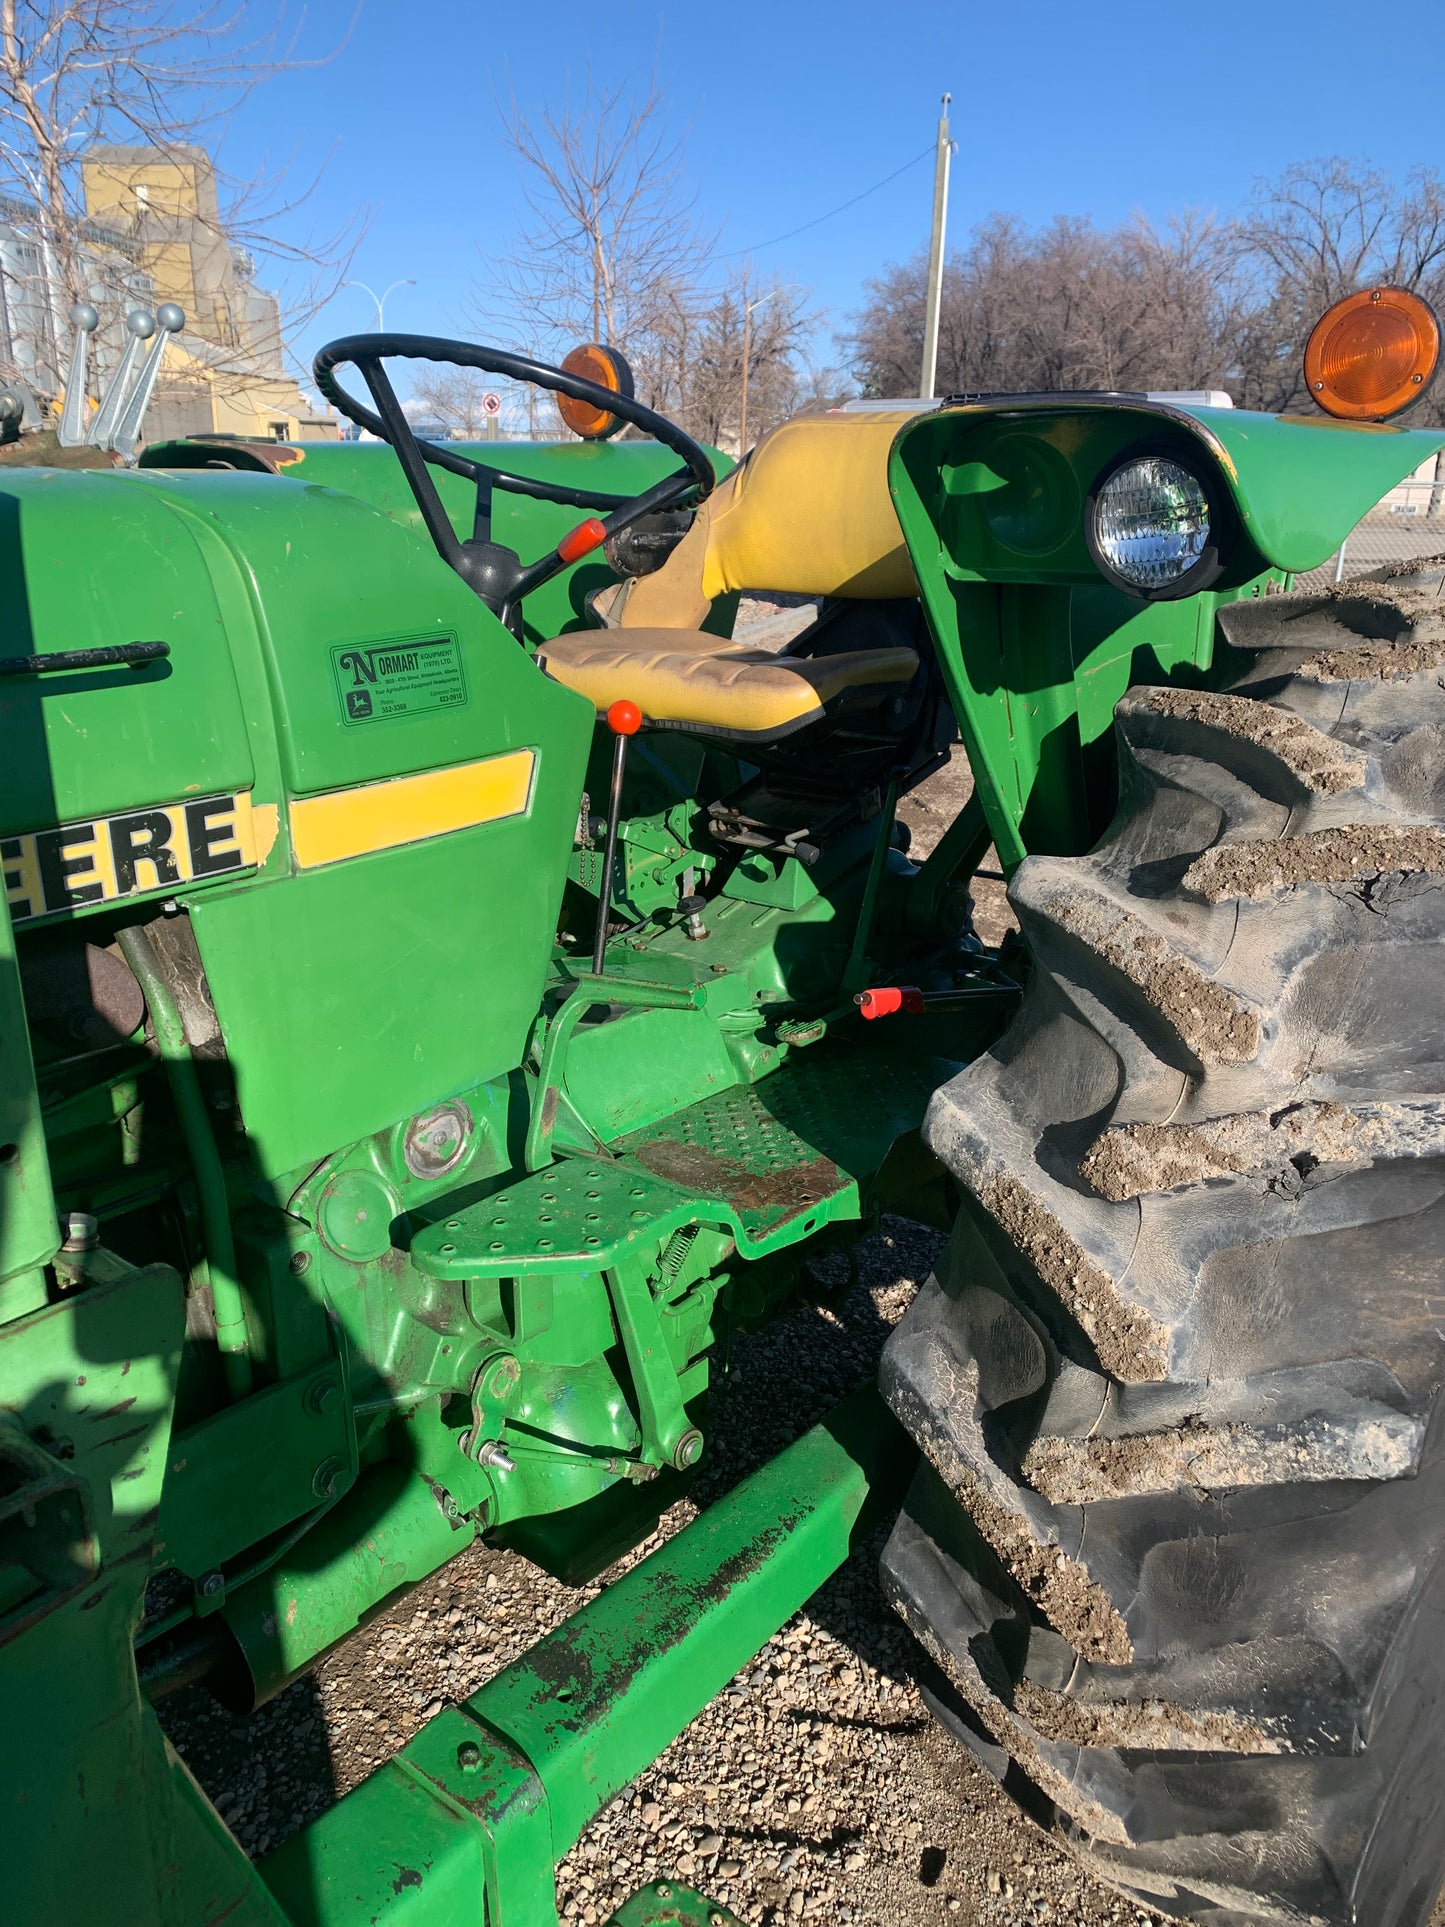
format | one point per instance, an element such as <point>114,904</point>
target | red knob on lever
<point>624,719</point>
<point>884,1002</point>
<point>582,540</point>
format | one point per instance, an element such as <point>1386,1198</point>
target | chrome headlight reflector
<point>1151,527</point>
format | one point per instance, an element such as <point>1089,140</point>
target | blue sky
<point>1094,109</point>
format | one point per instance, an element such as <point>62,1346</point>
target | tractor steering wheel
<point>495,572</point>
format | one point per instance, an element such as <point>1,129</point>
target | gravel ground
<point>816,1786</point>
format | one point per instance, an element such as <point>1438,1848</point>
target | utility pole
<point>747,356</point>
<point>748,307</point>
<point>929,383</point>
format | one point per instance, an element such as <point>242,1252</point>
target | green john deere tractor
<point>445,992</point>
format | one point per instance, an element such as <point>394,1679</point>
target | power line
<point>924,153</point>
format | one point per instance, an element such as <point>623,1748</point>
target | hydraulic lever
<point>624,719</point>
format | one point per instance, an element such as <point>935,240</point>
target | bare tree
<point>1195,304</point>
<point>1323,230</point>
<point>613,251</point>
<point>611,232</point>
<point>1066,308</point>
<point>454,396</point>
<point>771,325</point>
<point>155,77</point>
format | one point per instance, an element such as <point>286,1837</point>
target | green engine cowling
<point>308,865</point>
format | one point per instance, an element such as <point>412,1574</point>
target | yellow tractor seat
<point>686,679</point>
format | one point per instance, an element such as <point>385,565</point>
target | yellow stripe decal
<point>379,816</point>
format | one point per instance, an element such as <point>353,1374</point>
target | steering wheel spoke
<point>493,571</point>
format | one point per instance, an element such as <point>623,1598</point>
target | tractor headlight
<point>1152,527</point>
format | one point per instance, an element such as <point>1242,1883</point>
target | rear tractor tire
<point>1177,1537</point>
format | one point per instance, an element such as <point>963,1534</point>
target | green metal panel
<point>297,1443</point>
<point>29,1234</point>
<point>88,561</point>
<point>331,576</point>
<point>260,585</point>
<point>88,1388</point>
<point>1302,482</point>
<point>355,995</point>
<point>330,1039</point>
<point>370,471</point>
<point>390,1531</point>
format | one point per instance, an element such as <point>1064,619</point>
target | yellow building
<point>225,372</point>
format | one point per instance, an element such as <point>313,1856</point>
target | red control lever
<point>582,540</point>
<point>885,1002</point>
<point>624,719</point>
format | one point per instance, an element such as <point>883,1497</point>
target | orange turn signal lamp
<point>1372,354</point>
<point>608,369</point>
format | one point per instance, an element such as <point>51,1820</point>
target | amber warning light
<point>608,369</point>
<point>1372,354</point>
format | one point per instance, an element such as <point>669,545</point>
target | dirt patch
<point>1214,1024</point>
<point>1315,760</point>
<point>1130,1160</point>
<point>1130,1344</point>
<point>1152,1723</point>
<point>1058,1585</point>
<point>1418,614</point>
<point>1215,1458</point>
<point>1324,856</point>
<point>782,1193</point>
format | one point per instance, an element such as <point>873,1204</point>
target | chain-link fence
<point>1409,522</point>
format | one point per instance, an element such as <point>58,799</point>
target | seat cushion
<point>687,679</point>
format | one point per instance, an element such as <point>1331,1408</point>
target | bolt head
<point>82,1231</point>
<point>469,1756</point>
<point>211,1584</point>
<point>688,1450</point>
<point>327,1480</point>
<point>300,1260</point>
<point>322,1394</point>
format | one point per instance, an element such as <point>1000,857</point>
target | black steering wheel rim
<point>482,564</point>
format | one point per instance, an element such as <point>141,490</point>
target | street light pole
<point>944,154</point>
<point>748,307</point>
<point>381,299</point>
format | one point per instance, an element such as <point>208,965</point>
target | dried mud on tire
<point>1224,1097</point>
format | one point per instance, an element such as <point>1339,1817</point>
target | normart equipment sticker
<point>377,681</point>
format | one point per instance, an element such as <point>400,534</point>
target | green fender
<point>1036,647</point>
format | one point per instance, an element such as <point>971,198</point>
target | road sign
<point>491,404</point>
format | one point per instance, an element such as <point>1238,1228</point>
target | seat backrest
<point>808,513</point>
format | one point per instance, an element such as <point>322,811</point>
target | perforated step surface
<point>777,1151</point>
<point>771,1161</point>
